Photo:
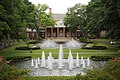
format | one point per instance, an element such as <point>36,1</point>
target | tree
<point>75,18</point>
<point>16,15</point>
<point>112,18</point>
<point>42,18</point>
<point>95,14</point>
<point>104,15</point>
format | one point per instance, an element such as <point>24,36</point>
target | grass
<point>110,51</point>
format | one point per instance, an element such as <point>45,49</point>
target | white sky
<point>59,6</point>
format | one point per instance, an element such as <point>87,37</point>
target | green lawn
<point>110,51</point>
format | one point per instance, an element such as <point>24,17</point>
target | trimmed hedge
<point>18,58</point>
<point>89,42</point>
<point>22,48</point>
<point>26,48</point>
<point>101,58</point>
<point>95,47</point>
<point>33,42</point>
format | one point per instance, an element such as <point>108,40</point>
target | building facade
<point>58,31</point>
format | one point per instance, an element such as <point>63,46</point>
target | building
<point>58,31</point>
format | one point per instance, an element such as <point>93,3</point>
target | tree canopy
<point>98,15</point>
<point>75,17</point>
<point>17,15</point>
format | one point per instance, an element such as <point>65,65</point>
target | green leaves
<point>15,16</point>
<point>75,17</point>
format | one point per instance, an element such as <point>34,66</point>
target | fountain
<point>82,62</point>
<point>77,61</point>
<point>60,66</point>
<point>67,44</point>
<point>36,64</point>
<point>61,52</point>
<point>38,60</point>
<point>43,60</point>
<point>48,44</point>
<point>88,62</point>
<point>49,62</point>
<point>74,44</point>
<point>70,61</point>
<point>60,63</point>
<point>32,62</point>
<point>83,66</point>
<point>60,56</point>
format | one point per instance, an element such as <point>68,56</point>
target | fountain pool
<point>60,66</point>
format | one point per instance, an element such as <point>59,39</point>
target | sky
<point>59,6</point>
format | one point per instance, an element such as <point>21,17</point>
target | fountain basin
<point>40,71</point>
<point>55,44</point>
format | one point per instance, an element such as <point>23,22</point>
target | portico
<point>57,32</point>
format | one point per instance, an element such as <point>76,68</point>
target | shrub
<point>113,68</point>
<point>12,73</point>
<point>27,48</point>
<point>35,48</point>
<point>22,48</point>
<point>95,47</point>
<point>82,39</point>
<point>89,42</point>
<point>18,58</point>
<point>33,42</point>
<point>101,58</point>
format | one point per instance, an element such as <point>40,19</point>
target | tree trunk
<point>37,29</point>
<point>4,42</point>
<point>8,35</point>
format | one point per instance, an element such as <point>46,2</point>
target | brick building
<point>58,31</point>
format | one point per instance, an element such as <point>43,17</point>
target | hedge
<point>95,47</point>
<point>26,48</point>
<point>101,58</point>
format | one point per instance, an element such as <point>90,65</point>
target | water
<point>88,62</point>
<point>49,62</point>
<point>71,62</point>
<point>32,62</point>
<point>64,71</point>
<point>52,44</point>
<point>43,60</point>
<point>77,61</point>
<point>74,44</point>
<point>60,57</point>
<point>60,66</point>
<point>36,64</point>
<point>38,60</point>
<point>48,44</point>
